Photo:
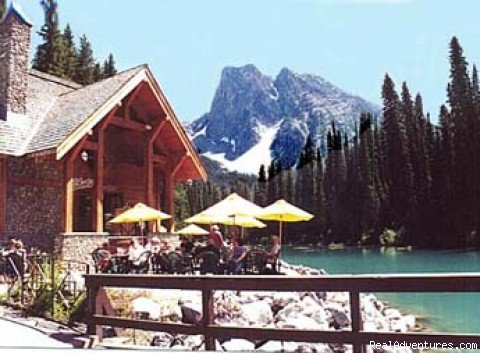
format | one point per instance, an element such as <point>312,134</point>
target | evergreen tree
<point>85,62</point>
<point>50,55</point>
<point>262,177</point>
<point>464,123</point>
<point>109,69</point>
<point>71,55</point>
<point>97,73</point>
<point>397,160</point>
<point>279,178</point>
<point>475,85</point>
<point>3,8</point>
<point>271,187</point>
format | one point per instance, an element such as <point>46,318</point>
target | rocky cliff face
<point>256,118</point>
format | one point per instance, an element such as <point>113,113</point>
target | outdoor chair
<point>255,261</point>
<point>273,264</point>
<point>188,266</point>
<point>160,263</point>
<point>101,261</point>
<point>175,263</point>
<point>142,263</point>
<point>208,262</point>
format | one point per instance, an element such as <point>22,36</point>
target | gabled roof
<point>72,108</point>
<point>60,113</point>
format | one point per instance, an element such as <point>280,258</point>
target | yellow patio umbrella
<point>192,229</point>
<point>140,213</point>
<point>283,211</point>
<point>244,222</point>
<point>207,218</point>
<point>234,205</point>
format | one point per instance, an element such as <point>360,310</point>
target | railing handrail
<point>353,284</point>
<point>447,282</point>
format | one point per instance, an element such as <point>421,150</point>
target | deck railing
<point>354,285</point>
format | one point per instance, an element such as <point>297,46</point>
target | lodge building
<point>70,154</point>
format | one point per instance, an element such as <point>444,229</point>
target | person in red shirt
<point>215,237</point>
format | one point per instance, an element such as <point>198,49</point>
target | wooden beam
<point>68,184</point>
<point>90,145</point>
<point>108,118</point>
<point>100,172</point>
<point>68,188</point>
<point>170,198</point>
<point>129,100</point>
<point>128,124</point>
<point>176,168</point>
<point>159,158</point>
<point>78,147</point>
<point>149,192</point>
<point>99,180</point>
<point>3,194</point>
<point>157,130</point>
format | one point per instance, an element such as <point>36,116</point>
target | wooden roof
<point>60,114</point>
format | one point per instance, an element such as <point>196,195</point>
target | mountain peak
<point>248,69</point>
<point>251,111</point>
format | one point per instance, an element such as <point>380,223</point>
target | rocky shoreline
<point>298,310</point>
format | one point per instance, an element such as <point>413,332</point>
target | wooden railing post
<point>356,315</point>
<point>92,293</point>
<point>207,318</point>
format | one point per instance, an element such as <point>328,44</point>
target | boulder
<point>391,313</point>
<point>301,322</point>
<point>146,305</point>
<point>257,312</point>
<point>162,339</point>
<point>277,346</point>
<point>284,298</point>
<point>340,319</point>
<point>410,321</point>
<point>238,345</point>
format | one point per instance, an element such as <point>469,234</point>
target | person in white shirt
<point>134,252</point>
<point>153,245</point>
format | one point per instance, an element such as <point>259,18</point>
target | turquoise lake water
<point>439,312</point>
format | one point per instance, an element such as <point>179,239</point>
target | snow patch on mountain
<point>251,160</point>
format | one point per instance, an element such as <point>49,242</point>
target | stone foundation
<point>34,207</point>
<point>78,247</point>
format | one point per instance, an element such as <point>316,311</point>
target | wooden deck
<point>354,285</point>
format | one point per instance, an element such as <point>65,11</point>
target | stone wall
<point>34,201</point>
<point>14,50</point>
<point>79,247</point>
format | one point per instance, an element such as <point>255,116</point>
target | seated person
<point>165,246</point>
<point>210,247</point>
<point>103,262</point>
<point>153,245</point>
<point>273,251</point>
<point>216,237</point>
<point>274,248</point>
<point>186,245</point>
<point>209,256</point>
<point>239,254</point>
<point>134,252</point>
<point>160,251</point>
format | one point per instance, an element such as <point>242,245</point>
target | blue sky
<point>351,43</point>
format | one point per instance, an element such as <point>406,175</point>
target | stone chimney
<point>15,31</point>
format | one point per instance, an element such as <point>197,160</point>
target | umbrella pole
<point>280,231</point>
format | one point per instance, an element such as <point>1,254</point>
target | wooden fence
<point>354,285</point>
